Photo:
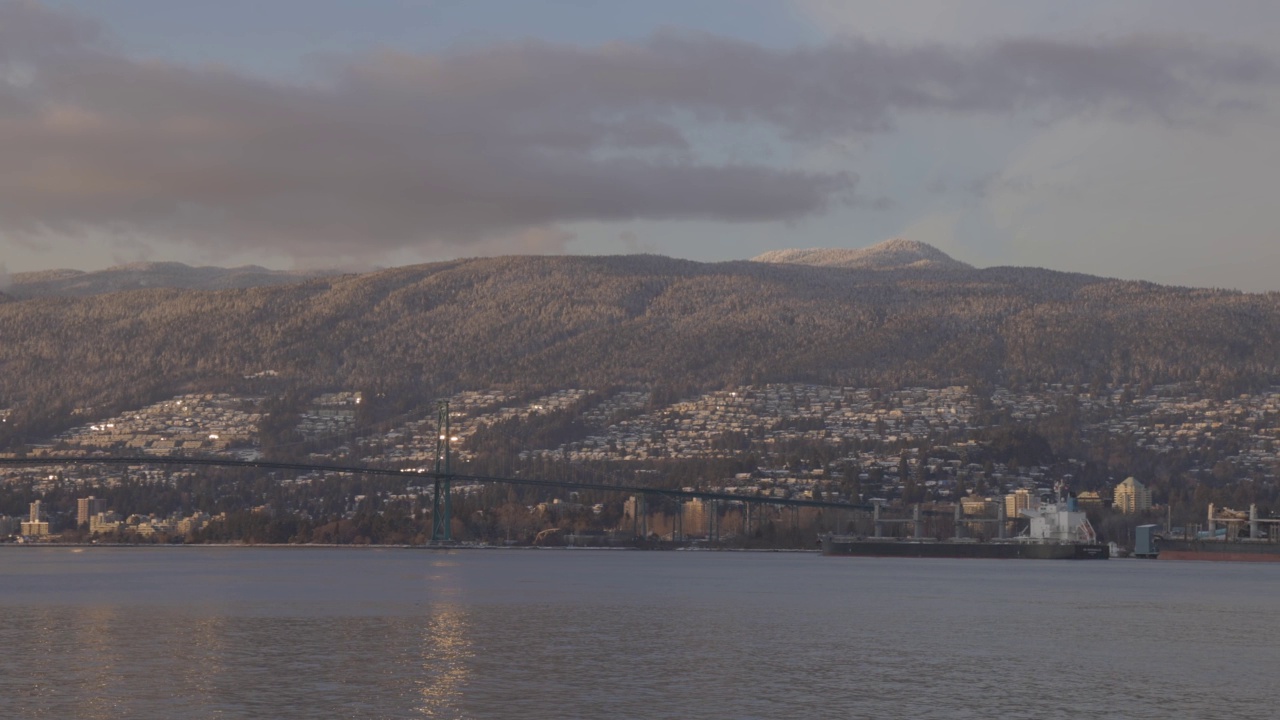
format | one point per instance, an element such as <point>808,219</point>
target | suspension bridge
<point>441,477</point>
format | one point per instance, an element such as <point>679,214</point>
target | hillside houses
<point>875,431</point>
<point>183,424</point>
<point>415,441</point>
<point>715,425</point>
<point>330,414</point>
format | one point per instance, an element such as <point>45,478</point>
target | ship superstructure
<point>1059,521</point>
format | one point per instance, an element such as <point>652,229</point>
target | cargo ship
<point>1241,550</point>
<point>1057,531</point>
<point>1233,536</point>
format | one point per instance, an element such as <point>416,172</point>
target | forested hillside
<point>416,333</point>
<point>147,275</point>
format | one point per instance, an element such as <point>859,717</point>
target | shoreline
<point>327,546</point>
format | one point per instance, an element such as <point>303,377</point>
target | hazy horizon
<point>7,278</point>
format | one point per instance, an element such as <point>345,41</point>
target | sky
<point>1137,140</point>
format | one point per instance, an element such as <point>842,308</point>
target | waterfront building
<point>104,522</point>
<point>1019,500</point>
<point>151,526</point>
<point>1131,496</point>
<point>86,508</point>
<point>975,505</point>
<point>35,526</point>
<point>195,523</point>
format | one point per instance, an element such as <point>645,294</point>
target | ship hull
<point>871,547</point>
<point>1219,550</point>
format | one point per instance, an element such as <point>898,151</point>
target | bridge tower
<point>442,501</point>
<point>640,515</point>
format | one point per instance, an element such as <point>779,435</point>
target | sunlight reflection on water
<point>230,633</point>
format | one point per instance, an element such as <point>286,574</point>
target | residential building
<point>104,522</point>
<point>1088,499</point>
<point>1018,500</point>
<point>194,523</point>
<point>36,525</point>
<point>1131,496</point>
<point>86,508</point>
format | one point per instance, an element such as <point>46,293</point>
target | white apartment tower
<point>1132,496</point>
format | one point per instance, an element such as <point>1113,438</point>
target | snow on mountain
<point>895,254</point>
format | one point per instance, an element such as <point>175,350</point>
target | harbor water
<point>221,632</point>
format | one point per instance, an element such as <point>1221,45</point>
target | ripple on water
<point>229,633</point>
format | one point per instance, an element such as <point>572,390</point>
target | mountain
<point>895,254</point>
<point>415,333</point>
<point>147,275</point>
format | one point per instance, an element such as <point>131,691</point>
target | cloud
<point>462,150</point>
<point>1114,200</point>
<point>910,21</point>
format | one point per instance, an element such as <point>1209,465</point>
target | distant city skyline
<point>1137,140</point>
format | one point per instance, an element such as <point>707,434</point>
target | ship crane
<point>1234,518</point>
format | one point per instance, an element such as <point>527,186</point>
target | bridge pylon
<point>442,499</point>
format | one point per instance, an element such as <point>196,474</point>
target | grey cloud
<point>400,150</point>
<point>30,31</point>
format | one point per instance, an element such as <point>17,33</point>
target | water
<point>306,633</point>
